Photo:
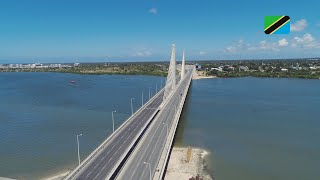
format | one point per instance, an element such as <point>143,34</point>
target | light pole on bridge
<point>149,92</point>
<point>113,120</point>
<point>166,124</point>
<point>148,164</point>
<point>78,148</point>
<point>142,98</point>
<point>132,106</point>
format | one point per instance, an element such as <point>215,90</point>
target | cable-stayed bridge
<point>139,149</point>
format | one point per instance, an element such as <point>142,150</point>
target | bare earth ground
<point>201,75</point>
<point>57,177</point>
<point>178,168</point>
<point>3,178</point>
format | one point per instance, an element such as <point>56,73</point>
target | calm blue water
<point>255,128</point>
<point>41,113</point>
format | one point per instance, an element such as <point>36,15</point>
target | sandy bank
<point>180,168</point>
<point>59,176</point>
<point>3,178</point>
<point>201,75</point>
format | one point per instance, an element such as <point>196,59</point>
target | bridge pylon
<point>183,70</point>
<point>171,78</point>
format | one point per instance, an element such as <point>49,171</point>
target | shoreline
<point>196,76</point>
<point>204,77</point>
<point>178,167</point>
<point>57,176</point>
<point>91,73</point>
<point>187,162</point>
<point>201,75</point>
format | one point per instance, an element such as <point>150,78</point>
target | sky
<point>144,30</point>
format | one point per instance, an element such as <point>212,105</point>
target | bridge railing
<point>115,167</point>
<point>164,158</point>
<point>78,168</point>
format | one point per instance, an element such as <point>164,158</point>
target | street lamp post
<point>149,92</point>
<point>142,98</point>
<point>132,106</point>
<point>166,124</point>
<point>113,120</point>
<point>78,148</point>
<point>161,85</point>
<point>149,167</point>
<point>156,88</point>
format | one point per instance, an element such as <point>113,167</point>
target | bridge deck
<point>111,154</point>
<point>152,144</point>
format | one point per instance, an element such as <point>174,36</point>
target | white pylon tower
<point>182,66</point>
<point>171,78</point>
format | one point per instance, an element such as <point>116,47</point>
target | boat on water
<point>72,81</point>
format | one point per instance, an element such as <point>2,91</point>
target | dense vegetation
<point>268,68</point>
<point>303,68</point>
<point>156,69</point>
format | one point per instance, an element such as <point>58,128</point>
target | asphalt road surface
<point>102,164</point>
<point>152,144</point>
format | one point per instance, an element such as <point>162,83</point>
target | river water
<point>41,113</point>
<point>254,128</point>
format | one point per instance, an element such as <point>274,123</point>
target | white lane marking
<point>141,121</point>
<point>165,115</point>
<point>136,120</point>
<point>96,175</point>
<point>158,139</point>
<point>169,114</point>
<point>129,136</point>
<point>101,160</point>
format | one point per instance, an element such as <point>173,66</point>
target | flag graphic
<point>276,24</point>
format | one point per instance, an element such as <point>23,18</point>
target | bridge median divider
<point>92,155</point>
<point>149,130</point>
<point>164,158</point>
<point>153,117</point>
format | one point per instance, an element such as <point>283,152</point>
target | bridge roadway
<point>103,163</point>
<point>153,142</point>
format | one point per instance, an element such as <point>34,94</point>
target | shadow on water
<point>183,121</point>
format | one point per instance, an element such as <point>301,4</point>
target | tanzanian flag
<point>277,24</point>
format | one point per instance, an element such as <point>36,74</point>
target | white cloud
<point>230,49</point>
<point>264,45</point>
<point>306,41</point>
<point>283,42</point>
<point>153,11</point>
<point>297,44</point>
<point>202,53</point>
<point>239,45</point>
<point>142,54</point>
<point>299,25</point>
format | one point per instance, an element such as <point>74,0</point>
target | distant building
<point>76,64</point>
<point>198,66</point>
<point>284,69</point>
<point>243,68</point>
<point>296,67</point>
<point>217,69</point>
<point>314,67</point>
<point>55,65</point>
